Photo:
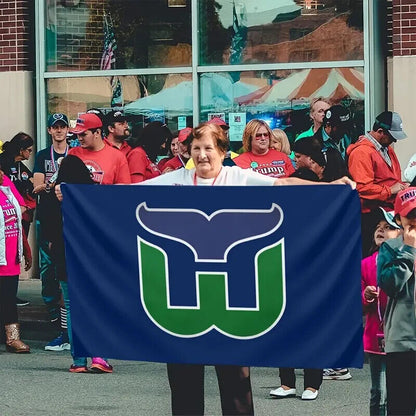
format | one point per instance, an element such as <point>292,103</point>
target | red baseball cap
<point>405,201</point>
<point>86,122</point>
<point>219,122</point>
<point>183,134</point>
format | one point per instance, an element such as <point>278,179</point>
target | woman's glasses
<point>260,135</point>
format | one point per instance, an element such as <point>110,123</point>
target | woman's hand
<point>39,188</point>
<point>58,193</point>
<point>409,235</point>
<point>28,262</point>
<point>370,293</point>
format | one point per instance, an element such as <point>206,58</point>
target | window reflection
<point>282,98</point>
<point>267,31</point>
<point>167,98</point>
<point>148,33</point>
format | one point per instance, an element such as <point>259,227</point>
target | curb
<point>35,325</point>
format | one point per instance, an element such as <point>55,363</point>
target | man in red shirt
<point>106,164</point>
<point>118,131</point>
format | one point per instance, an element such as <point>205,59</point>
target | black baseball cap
<point>337,115</point>
<point>97,112</point>
<point>54,118</point>
<point>114,116</point>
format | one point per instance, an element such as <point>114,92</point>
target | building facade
<point>401,71</point>
<point>182,61</point>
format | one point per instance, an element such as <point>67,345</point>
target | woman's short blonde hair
<point>251,130</point>
<point>218,134</point>
<point>281,137</point>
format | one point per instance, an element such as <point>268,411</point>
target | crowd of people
<point>104,153</point>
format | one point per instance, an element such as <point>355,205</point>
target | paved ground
<point>39,384</point>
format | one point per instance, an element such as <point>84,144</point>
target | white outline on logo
<point>197,307</point>
<point>209,218</point>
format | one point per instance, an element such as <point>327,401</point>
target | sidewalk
<point>33,318</point>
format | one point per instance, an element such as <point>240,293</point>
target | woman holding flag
<point>208,145</point>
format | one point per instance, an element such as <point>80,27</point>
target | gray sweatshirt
<point>396,276</point>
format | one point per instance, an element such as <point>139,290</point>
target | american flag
<point>108,61</point>
<point>238,41</point>
<point>108,58</point>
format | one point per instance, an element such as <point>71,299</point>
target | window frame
<point>368,64</point>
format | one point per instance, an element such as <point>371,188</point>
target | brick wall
<point>404,27</point>
<point>16,29</point>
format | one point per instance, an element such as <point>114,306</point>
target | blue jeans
<point>51,292</point>
<point>378,393</point>
<point>78,361</point>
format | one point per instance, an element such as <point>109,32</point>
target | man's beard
<point>125,135</point>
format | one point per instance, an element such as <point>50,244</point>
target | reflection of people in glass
<point>317,114</point>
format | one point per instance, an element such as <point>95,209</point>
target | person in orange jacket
<point>373,165</point>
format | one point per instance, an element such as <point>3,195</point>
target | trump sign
<point>266,276</point>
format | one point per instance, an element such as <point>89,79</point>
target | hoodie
<point>373,175</point>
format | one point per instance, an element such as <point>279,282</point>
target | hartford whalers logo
<point>212,239</point>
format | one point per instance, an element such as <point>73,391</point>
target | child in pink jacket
<point>374,303</point>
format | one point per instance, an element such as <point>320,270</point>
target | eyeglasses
<point>260,135</point>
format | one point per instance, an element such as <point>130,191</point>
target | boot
<point>13,343</point>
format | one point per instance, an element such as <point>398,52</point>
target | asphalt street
<point>39,384</point>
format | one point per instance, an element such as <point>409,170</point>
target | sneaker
<point>336,374</point>
<point>21,302</point>
<point>78,369</point>
<point>60,343</point>
<point>99,365</point>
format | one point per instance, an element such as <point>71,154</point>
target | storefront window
<point>156,34</point>
<point>136,33</point>
<point>167,98</point>
<point>282,98</point>
<point>270,31</point>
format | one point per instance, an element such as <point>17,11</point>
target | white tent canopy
<point>217,94</point>
<point>256,13</point>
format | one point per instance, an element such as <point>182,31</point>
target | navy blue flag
<point>261,276</point>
